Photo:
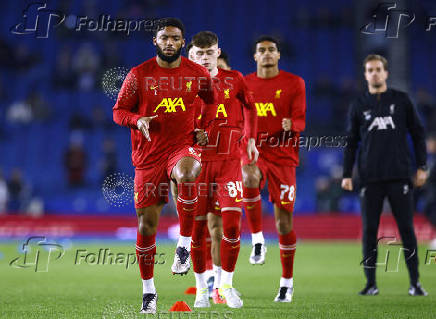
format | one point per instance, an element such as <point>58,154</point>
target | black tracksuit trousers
<point>400,197</point>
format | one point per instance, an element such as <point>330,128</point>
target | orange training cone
<point>191,291</point>
<point>180,306</point>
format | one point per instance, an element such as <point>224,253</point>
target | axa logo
<point>264,108</point>
<point>388,19</point>
<point>170,104</point>
<point>382,123</point>
<point>38,253</point>
<point>38,20</point>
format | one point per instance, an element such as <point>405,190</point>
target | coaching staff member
<point>379,121</point>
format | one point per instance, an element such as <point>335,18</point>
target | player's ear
<point>183,43</point>
<point>219,51</point>
<point>279,55</point>
<point>154,41</point>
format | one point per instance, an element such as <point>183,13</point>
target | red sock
<point>208,251</point>
<point>253,208</point>
<point>145,252</point>
<point>230,244</point>
<point>287,244</point>
<point>186,206</point>
<point>198,246</point>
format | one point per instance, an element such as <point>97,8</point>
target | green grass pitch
<point>327,277</point>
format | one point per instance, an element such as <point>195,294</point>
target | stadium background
<point>54,114</point>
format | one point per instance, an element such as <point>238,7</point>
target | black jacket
<point>380,123</point>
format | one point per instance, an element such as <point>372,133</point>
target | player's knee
<point>250,180</point>
<point>187,174</point>
<point>215,232</point>
<point>232,232</point>
<point>283,226</point>
<point>147,228</point>
<point>187,170</point>
<point>250,176</point>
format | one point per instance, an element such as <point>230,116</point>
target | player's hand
<point>421,177</point>
<point>286,124</point>
<point>347,184</point>
<point>252,151</point>
<point>143,124</point>
<point>201,136</point>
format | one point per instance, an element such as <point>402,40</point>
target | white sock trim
<point>148,286</point>
<point>226,278</point>
<point>200,280</point>
<point>287,282</point>
<point>184,242</point>
<point>257,238</point>
<point>217,273</point>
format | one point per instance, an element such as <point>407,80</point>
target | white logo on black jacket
<point>382,123</point>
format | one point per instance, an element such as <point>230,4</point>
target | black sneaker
<point>284,295</point>
<point>369,290</point>
<point>181,262</point>
<point>149,303</point>
<point>417,290</point>
<point>257,256</point>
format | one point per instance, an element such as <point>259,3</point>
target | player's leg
<point>287,245</point>
<point>198,243</point>
<point>150,196</point>
<point>148,218</point>
<point>251,177</point>
<point>371,199</point>
<point>282,189</point>
<point>230,200</point>
<point>215,225</point>
<point>198,253</point>
<point>185,172</point>
<point>400,197</point>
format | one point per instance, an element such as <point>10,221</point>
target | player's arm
<point>200,133</point>
<point>209,95</point>
<point>127,101</point>
<point>297,121</point>
<point>353,139</point>
<point>250,118</point>
<point>416,131</point>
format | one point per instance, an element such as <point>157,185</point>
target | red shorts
<point>219,187</point>
<point>152,185</point>
<point>281,182</point>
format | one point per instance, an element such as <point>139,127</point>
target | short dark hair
<point>225,57</point>
<point>169,22</point>
<point>375,57</point>
<point>204,39</point>
<point>266,38</point>
<point>189,47</point>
